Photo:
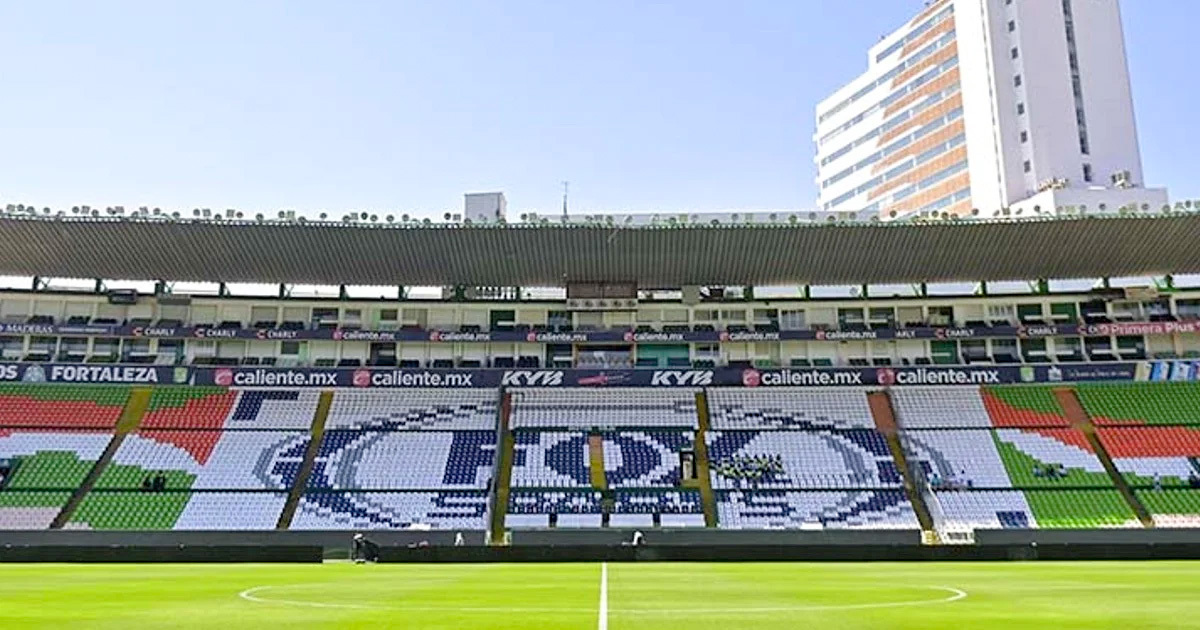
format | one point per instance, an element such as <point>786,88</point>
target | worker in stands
<point>364,550</point>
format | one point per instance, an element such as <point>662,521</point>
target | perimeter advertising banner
<point>492,378</point>
<point>718,377</point>
<point>601,336</point>
<point>84,373</point>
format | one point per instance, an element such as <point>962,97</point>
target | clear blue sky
<point>398,106</point>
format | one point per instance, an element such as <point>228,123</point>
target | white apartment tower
<point>987,104</point>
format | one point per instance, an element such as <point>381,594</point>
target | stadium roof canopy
<point>518,255</point>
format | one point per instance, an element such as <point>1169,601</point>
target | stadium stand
<point>777,509</point>
<point>410,458</point>
<point>45,467</point>
<point>1172,507</point>
<point>404,460</point>
<point>1114,404</point>
<point>644,459</point>
<point>978,407</point>
<point>220,455</point>
<point>563,509</point>
<point>60,406</point>
<point>984,509</point>
<point>582,409</point>
<point>940,407</point>
<point>392,510</point>
<point>802,458</point>
<point>789,408</point>
<point>415,409</point>
<point>1023,406</point>
<point>1141,453</point>
<point>854,458</point>
<point>550,459</point>
<point>674,508</point>
<point>639,434</point>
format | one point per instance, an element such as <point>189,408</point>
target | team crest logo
<point>34,374</point>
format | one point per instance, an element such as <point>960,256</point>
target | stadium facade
<point>987,107</point>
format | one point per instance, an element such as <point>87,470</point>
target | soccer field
<point>665,596</point>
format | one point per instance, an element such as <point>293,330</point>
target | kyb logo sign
<point>681,378</point>
<point>532,378</point>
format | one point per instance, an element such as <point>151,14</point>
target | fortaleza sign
<point>83,373</point>
<point>599,336</point>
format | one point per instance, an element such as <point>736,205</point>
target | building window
<point>1017,81</point>
<point>1087,172</point>
<point>1024,137</point>
<point>1015,53</point>
<point>1012,26</point>
<point>1020,109</point>
<point>1028,166</point>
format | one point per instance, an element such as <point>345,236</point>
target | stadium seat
<point>887,509</point>
<point>572,408</point>
<point>391,510</point>
<point>1141,403</point>
<point>734,408</point>
<point>61,406</point>
<point>853,458</point>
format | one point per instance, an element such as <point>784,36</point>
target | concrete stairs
<point>707,496</point>
<point>1079,419</point>
<point>310,456</point>
<point>885,421</point>
<point>502,479</point>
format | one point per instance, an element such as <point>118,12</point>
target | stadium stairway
<point>131,417</point>
<point>707,497</point>
<point>885,421</point>
<point>596,461</point>
<point>310,456</point>
<point>1078,416</point>
<point>502,480</point>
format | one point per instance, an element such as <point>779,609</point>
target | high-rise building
<point>987,108</point>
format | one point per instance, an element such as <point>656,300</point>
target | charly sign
<point>599,336</point>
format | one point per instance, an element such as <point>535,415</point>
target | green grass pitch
<point>667,596</point>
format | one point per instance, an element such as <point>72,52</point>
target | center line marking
<point>603,596</point>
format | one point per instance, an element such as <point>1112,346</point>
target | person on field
<point>364,550</point>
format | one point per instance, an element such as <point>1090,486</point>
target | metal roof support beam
<point>343,294</point>
<point>865,292</point>
<point>1168,282</point>
<point>223,289</point>
<point>98,286</point>
<point>38,283</point>
<point>983,288</point>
